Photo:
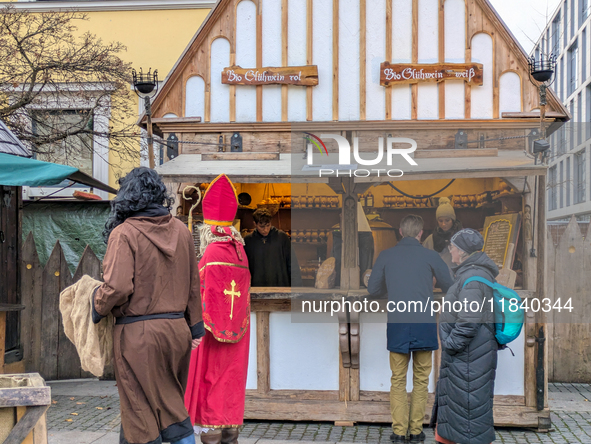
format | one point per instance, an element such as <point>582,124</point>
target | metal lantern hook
<point>189,187</point>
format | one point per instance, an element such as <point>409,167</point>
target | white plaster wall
<point>482,96</point>
<point>220,93</point>
<point>455,52</point>
<point>428,94</point>
<point>303,356</point>
<point>509,93</point>
<point>349,60</point>
<point>251,377</point>
<point>322,57</point>
<point>296,56</point>
<point>271,35</point>
<point>246,51</point>
<point>374,357</point>
<point>195,97</point>
<point>401,53</point>
<point>375,54</point>
<point>511,369</point>
<point>455,32</point>
<point>170,115</point>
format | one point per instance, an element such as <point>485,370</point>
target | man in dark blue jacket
<point>407,273</point>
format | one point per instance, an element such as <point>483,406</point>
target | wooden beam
<point>259,56</point>
<point>415,57</point>
<point>335,60</point>
<point>362,58</point>
<point>541,277</point>
<point>284,58</point>
<point>240,156</point>
<point>263,356</point>
<point>436,154</point>
<point>370,411</point>
<point>2,338</point>
<point>26,424</point>
<point>388,91</point>
<point>309,55</point>
<point>441,28</point>
<point>232,91</point>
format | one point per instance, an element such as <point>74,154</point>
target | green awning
<point>18,171</point>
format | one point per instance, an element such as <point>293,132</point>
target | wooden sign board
<point>499,232</point>
<point>401,73</point>
<point>287,75</point>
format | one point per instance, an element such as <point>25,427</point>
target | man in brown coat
<point>151,285</point>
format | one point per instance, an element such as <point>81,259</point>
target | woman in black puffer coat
<point>463,407</point>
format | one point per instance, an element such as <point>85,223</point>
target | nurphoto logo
<point>345,168</point>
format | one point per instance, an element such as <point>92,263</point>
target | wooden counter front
<point>337,369</point>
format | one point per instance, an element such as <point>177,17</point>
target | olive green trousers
<point>405,419</point>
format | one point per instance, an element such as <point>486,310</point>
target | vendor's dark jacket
<point>405,272</point>
<point>270,259</point>
<point>463,406</point>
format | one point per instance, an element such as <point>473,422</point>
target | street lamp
<point>145,86</point>
<point>541,74</point>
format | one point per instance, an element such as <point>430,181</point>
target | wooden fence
<point>46,349</point>
<point>569,276</point>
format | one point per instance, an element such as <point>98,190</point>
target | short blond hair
<point>411,225</point>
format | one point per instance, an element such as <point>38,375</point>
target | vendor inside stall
<point>270,258</point>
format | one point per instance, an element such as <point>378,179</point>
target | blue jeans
<point>188,440</point>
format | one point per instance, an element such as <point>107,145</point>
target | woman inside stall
<point>447,226</point>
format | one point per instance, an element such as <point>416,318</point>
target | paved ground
<point>85,412</point>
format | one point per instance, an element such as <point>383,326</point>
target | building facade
<point>567,36</point>
<point>155,32</point>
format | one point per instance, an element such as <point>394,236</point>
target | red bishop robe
<point>217,374</point>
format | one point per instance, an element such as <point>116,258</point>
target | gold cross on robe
<point>231,294</point>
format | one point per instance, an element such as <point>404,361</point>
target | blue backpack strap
<point>479,279</point>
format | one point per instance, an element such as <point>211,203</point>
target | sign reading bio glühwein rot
<point>400,73</point>
<point>287,75</point>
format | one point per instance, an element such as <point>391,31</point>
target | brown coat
<point>150,267</point>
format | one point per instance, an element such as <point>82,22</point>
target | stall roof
<point>10,144</point>
<point>191,168</point>
<point>506,164</point>
<point>18,171</point>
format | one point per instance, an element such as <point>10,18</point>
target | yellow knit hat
<point>445,209</point>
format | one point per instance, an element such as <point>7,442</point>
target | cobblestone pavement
<point>88,415</point>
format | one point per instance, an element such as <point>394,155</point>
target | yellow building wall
<point>154,39</point>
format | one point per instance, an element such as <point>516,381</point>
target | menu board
<point>500,231</point>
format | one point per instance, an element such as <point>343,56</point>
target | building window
<point>561,184</point>
<point>571,126</point>
<point>567,183</point>
<point>578,122</point>
<point>584,55</point>
<point>552,188</point>
<point>584,11</point>
<point>573,65</point>
<point>556,34</point>
<point>75,151</point>
<point>579,184</point>
<point>572,18</point>
<point>587,119</point>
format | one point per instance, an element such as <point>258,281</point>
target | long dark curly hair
<point>140,189</point>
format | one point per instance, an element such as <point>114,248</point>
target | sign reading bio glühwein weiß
<point>400,73</point>
<point>287,75</point>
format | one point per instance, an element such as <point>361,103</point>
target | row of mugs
<point>310,235</point>
<point>315,201</point>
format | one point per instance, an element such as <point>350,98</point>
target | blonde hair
<point>411,225</point>
<point>207,237</point>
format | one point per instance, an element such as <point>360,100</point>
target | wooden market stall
<point>447,75</point>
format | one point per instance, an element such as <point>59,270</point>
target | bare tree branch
<point>47,71</point>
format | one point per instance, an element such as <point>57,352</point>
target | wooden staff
<point>190,222</point>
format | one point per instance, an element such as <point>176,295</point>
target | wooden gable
<point>347,40</point>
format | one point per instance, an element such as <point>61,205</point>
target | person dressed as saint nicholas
<point>217,374</point>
